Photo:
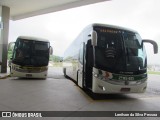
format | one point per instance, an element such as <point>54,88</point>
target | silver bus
<point>108,59</point>
<point>30,57</point>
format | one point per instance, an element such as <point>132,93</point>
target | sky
<point>62,27</point>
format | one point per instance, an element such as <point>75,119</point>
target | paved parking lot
<point>59,94</point>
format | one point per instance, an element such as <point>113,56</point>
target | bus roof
<point>111,26</point>
<point>32,38</point>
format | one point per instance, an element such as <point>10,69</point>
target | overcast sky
<point>62,27</point>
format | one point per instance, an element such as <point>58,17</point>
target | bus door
<point>80,72</point>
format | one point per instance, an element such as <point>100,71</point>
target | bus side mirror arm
<point>155,46</point>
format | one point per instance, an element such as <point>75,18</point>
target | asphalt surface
<point>57,93</point>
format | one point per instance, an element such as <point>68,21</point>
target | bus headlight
<point>141,81</point>
<point>99,76</point>
<point>95,75</point>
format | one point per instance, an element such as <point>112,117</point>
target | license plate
<point>28,75</point>
<point>125,89</point>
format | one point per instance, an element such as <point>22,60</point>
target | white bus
<point>108,59</point>
<point>30,57</point>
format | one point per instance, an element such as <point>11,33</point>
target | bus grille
<point>30,69</point>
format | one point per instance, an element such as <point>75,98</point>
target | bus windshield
<point>31,53</point>
<point>119,50</point>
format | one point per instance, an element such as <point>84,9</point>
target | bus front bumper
<point>99,86</point>
<point>28,75</point>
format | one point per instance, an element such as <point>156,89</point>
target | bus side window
<point>81,54</point>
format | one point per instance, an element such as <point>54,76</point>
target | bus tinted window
<point>30,52</point>
<point>41,46</point>
<point>119,50</point>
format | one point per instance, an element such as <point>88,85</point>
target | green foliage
<point>10,50</point>
<point>9,54</point>
<point>55,58</point>
<point>154,72</point>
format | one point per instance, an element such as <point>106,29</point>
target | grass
<point>57,64</point>
<point>154,72</point>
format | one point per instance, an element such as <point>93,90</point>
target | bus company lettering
<point>125,78</point>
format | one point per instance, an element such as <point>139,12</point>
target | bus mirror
<point>11,46</point>
<point>155,46</point>
<point>94,38</point>
<point>50,50</point>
